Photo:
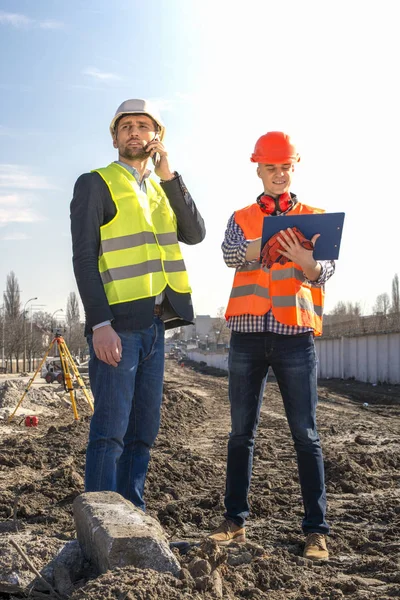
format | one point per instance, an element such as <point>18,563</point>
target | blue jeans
<point>293,360</point>
<point>126,419</point>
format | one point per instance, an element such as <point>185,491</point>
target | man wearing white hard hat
<point>126,228</point>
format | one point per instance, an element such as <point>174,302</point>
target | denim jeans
<point>293,360</point>
<point>126,419</point>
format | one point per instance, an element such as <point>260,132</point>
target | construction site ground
<point>42,468</point>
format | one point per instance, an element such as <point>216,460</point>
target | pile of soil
<point>42,468</point>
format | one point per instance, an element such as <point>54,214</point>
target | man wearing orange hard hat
<point>274,311</point>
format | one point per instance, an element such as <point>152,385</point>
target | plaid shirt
<point>234,249</point>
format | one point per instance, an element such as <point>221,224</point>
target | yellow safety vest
<point>139,250</point>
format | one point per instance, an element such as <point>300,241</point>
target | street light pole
<point>31,357</point>
<point>24,317</point>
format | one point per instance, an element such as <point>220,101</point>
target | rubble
<point>42,470</point>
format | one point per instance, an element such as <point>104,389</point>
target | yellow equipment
<point>67,363</point>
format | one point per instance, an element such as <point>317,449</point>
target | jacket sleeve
<point>87,215</point>
<point>191,228</point>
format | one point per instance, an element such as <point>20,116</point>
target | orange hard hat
<point>275,147</point>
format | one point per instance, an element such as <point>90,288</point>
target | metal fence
<point>372,358</point>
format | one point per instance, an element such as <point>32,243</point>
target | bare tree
<point>13,325</point>
<point>382,304</point>
<point>354,309</point>
<point>219,327</point>
<point>74,337</point>
<point>347,308</point>
<point>395,308</point>
<point>12,297</point>
<point>72,313</point>
<point>41,335</point>
<point>42,320</point>
<point>339,308</point>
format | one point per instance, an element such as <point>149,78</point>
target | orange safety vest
<point>282,289</point>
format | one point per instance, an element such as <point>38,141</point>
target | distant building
<point>203,326</point>
<point>206,331</point>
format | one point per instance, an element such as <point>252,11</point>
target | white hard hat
<point>141,107</point>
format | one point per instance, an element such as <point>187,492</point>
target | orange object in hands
<point>272,251</point>
<point>307,244</point>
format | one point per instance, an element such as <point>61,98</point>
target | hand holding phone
<point>156,156</point>
<point>160,159</point>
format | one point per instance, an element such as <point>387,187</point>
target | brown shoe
<point>227,533</point>
<point>315,548</point>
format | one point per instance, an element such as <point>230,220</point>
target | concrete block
<point>114,533</point>
<point>64,569</point>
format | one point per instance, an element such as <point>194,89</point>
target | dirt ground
<point>41,472</point>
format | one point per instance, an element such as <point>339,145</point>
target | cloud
<point>14,208</point>
<point>101,75</point>
<point>20,177</point>
<point>18,215</point>
<point>18,185</point>
<point>50,24</point>
<point>20,21</point>
<point>14,236</point>
<point>14,19</point>
<point>9,199</point>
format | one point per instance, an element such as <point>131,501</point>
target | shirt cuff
<point>103,324</point>
<point>176,175</point>
<point>322,276</point>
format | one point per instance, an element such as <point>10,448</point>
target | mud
<point>41,472</point>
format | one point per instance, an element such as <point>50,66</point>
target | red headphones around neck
<point>269,205</point>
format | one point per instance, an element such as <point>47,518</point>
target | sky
<point>222,74</point>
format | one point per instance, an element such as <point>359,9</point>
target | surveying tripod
<point>67,362</point>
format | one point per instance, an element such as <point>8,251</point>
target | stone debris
<point>114,533</point>
<point>11,392</point>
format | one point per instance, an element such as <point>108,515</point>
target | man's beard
<point>134,153</point>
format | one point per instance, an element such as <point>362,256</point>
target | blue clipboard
<point>329,225</point>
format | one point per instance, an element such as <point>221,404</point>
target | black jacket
<point>92,207</point>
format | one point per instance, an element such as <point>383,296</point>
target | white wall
<point>369,358</point>
<point>219,361</point>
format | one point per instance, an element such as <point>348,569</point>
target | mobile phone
<point>156,156</point>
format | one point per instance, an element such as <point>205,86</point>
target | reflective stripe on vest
<point>282,289</point>
<point>139,252</point>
